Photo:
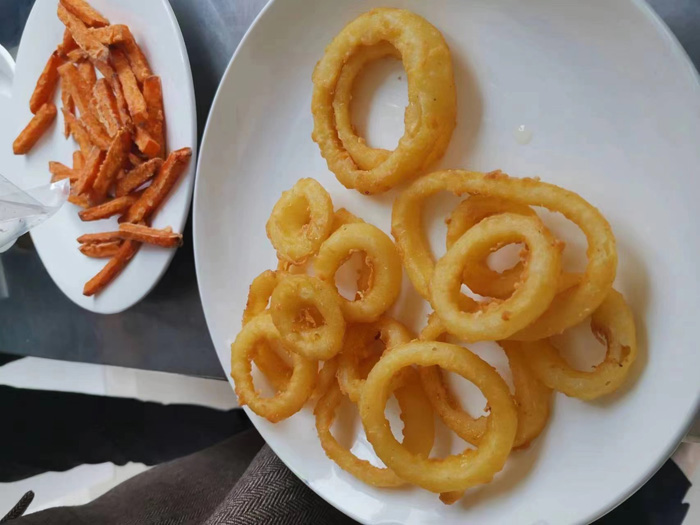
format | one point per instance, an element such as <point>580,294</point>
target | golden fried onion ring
<point>477,275</point>
<point>265,356</point>
<point>358,342</point>
<point>296,295</point>
<point>531,397</point>
<point>431,95</point>
<point>381,257</point>
<point>364,156</point>
<point>300,221</point>
<point>568,307</point>
<point>418,431</point>
<point>497,320</point>
<point>287,401</point>
<point>611,323</point>
<point>455,472</point>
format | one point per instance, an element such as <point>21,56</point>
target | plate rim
<point>678,50</point>
<point>189,181</point>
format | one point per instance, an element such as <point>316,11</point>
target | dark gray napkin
<point>239,481</point>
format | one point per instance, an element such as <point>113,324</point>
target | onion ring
<point>357,344</point>
<point>418,436</point>
<point>299,387</point>
<point>569,307</point>
<point>300,221</point>
<point>265,357</point>
<point>381,257</point>
<point>259,294</point>
<point>365,274</point>
<point>363,155</point>
<point>477,275</point>
<point>325,380</point>
<point>611,323</point>
<point>431,95</point>
<point>456,472</point>
<point>531,397</point>
<point>498,319</point>
<point>297,293</point>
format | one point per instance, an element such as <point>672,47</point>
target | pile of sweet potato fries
<point>118,121</point>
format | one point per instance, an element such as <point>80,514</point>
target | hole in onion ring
<point>573,258</point>
<point>378,102</point>
<point>347,278</point>
<point>505,258</point>
<point>580,348</point>
<point>348,432</point>
<point>308,317</point>
<point>297,217</point>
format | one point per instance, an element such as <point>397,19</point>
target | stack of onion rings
<point>431,112</point>
<point>314,345</point>
<point>567,308</point>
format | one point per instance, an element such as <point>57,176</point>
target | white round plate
<point>613,105</point>
<point>156,30</point>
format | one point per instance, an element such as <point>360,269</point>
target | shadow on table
<point>56,431</point>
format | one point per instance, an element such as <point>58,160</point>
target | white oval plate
<point>157,32</point>
<point>614,106</point>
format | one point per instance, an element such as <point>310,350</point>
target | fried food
<point>165,238</point>
<point>613,324</point>
<point>300,221</point>
<point>35,129</point>
<point>359,346</point>
<point>493,321</point>
<point>46,85</point>
<point>453,473</point>
<point>432,104</point>
<point>568,307</point>
<point>415,412</point>
<point>297,390</point>
<point>306,312</point>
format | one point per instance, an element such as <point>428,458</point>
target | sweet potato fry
<point>87,72</point>
<point>100,250</point>
<point>94,48</point>
<point>68,105</point>
<point>35,129</point>
<point>74,83</point>
<point>67,44</point>
<point>77,55</point>
<point>46,85</point>
<point>145,142</point>
<point>135,160</point>
<point>79,200</point>
<point>78,131</point>
<point>80,92</point>
<point>112,269</point>
<point>140,233</point>
<point>93,161</point>
<point>138,176</point>
<point>153,95</point>
<point>155,194</point>
<point>78,160</point>
<point>113,78</point>
<point>114,161</point>
<point>61,171</point>
<point>97,238</point>
<point>113,34</point>
<point>134,98</point>
<point>138,61</point>
<point>106,106</point>
<point>108,209</point>
<point>85,12</point>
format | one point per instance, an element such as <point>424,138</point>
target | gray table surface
<point>166,331</point>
